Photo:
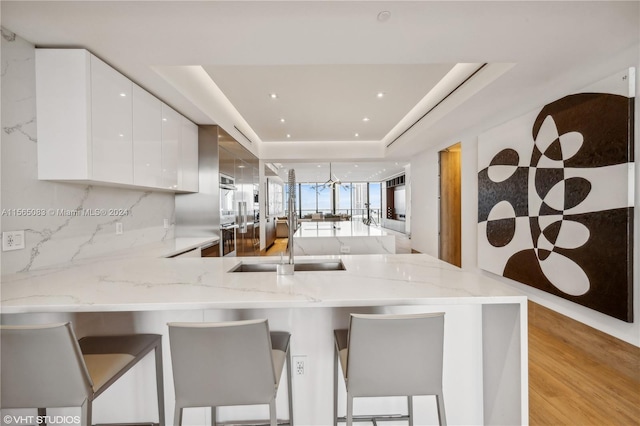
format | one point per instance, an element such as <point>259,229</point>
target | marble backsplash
<point>63,225</point>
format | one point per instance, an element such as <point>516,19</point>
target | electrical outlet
<point>299,365</point>
<point>166,223</point>
<point>119,229</point>
<point>345,249</point>
<point>12,240</point>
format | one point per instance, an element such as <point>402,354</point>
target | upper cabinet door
<point>96,126</point>
<point>63,87</point>
<point>111,124</point>
<point>171,129</point>
<point>147,139</point>
<point>189,157</point>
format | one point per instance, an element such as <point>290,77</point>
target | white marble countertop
<point>149,281</point>
<point>179,245</point>
<point>338,229</point>
<point>166,248</point>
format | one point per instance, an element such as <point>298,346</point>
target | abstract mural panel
<point>555,197</point>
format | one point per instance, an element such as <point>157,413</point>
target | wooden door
<point>450,249</point>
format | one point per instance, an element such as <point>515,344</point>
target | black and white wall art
<point>555,197</point>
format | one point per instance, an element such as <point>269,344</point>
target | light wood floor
<point>279,246</point>
<point>579,375</point>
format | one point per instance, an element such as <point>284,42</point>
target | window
<point>375,195</point>
<point>375,199</point>
<point>343,199</point>
<point>358,200</point>
<point>349,198</point>
<point>324,199</point>
<point>308,201</point>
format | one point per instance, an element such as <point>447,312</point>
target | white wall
<point>425,196</point>
<point>53,238</point>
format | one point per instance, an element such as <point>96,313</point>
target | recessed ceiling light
<point>288,135</point>
<point>380,95</point>
<point>273,95</point>
<point>356,135</point>
<point>384,16</point>
<point>282,120</point>
<point>355,165</point>
<point>123,94</point>
<point>365,119</point>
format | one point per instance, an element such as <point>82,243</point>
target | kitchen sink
<point>333,265</point>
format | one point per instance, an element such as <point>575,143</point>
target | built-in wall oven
<point>228,239</point>
<point>228,216</point>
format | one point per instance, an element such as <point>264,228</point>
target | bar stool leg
<point>335,387</point>
<point>177,416</point>
<point>42,412</point>
<point>349,409</point>
<point>441,414</point>
<point>214,416</point>
<point>83,414</point>
<point>410,405</point>
<point>272,412</point>
<point>160,383</point>
<point>89,412</point>
<point>289,386</point>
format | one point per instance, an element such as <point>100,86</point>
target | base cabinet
<point>270,231</point>
<point>485,369</point>
<point>211,251</point>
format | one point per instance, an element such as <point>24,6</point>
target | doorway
<point>449,247</point>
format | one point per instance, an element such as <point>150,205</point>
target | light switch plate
<point>12,240</point>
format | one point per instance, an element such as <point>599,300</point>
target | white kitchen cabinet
<point>63,89</point>
<point>188,177</point>
<point>171,128</point>
<point>83,118</point>
<point>147,139</point>
<point>96,126</point>
<point>111,124</point>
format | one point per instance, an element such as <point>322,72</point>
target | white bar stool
<point>44,366</point>
<point>390,355</point>
<point>228,364</point>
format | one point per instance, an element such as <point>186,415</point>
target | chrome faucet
<point>288,268</point>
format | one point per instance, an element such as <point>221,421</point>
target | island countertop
<point>142,290</point>
<point>338,229</point>
<point>148,282</point>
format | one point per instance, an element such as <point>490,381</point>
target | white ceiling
<point>217,61</point>
<point>325,102</point>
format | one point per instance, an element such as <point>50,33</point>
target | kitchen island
<point>485,377</point>
<point>342,237</point>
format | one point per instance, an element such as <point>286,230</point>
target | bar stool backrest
<point>42,366</point>
<point>228,363</point>
<point>394,355</point>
